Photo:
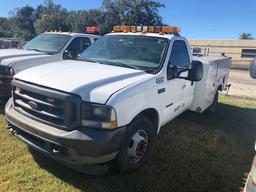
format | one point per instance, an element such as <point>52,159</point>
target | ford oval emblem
<point>33,105</point>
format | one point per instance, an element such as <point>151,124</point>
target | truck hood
<point>24,62</point>
<point>93,82</point>
<point>10,53</point>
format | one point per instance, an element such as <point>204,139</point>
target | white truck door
<point>174,103</point>
<point>188,87</point>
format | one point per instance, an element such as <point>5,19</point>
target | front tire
<point>136,144</point>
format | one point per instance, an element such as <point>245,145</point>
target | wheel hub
<point>137,146</point>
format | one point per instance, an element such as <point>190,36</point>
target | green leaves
<point>246,36</point>
<point>26,22</point>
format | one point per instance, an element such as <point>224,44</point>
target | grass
<point>194,152</point>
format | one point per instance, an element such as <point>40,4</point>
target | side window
<point>76,47</point>
<point>179,54</point>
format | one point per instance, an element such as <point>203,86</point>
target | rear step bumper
<point>83,146</point>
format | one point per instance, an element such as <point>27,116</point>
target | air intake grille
<point>49,106</point>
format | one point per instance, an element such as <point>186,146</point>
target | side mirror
<point>68,55</point>
<point>195,73</point>
<point>172,72</point>
<point>253,69</point>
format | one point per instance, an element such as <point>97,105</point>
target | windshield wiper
<point>149,70</point>
<point>127,65</point>
<point>88,60</point>
<point>38,50</point>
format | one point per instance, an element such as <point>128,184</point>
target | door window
<point>179,57</point>
<point>179,54</point>
<point>76,47</point>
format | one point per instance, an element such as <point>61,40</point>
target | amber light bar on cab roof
<point>150,29</point>
<point>91,29</point>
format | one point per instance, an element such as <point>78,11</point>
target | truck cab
<point>44,48</point>
<point>109,105</point>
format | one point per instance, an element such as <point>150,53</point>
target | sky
<point>198,19</point>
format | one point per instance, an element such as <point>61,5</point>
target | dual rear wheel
<point>213,106</point>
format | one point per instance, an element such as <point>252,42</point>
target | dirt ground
<point>241,84</point>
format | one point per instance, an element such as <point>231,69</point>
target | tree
<point>133,12</point>
<point>117,12</point>
<point>51,17</point>
<point>246,36</point>
<point>78,20</point>
<point>5,29</point>
<point>26,21</point>
<point>22,22</point>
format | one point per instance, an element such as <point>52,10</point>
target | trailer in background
<point>10,43</point>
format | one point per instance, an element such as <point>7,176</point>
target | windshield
<point>47,43</point>
<point>138,52</point>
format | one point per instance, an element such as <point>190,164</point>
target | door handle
<point>161,90</point>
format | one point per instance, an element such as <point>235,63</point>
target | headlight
<point>98,116</point>
<point>6,70</point>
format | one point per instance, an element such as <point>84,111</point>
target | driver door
<point>176,89</point>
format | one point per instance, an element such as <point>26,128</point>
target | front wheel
<point>136,144</point>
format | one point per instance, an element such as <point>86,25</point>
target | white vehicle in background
<point>44,48</point>
<point>110,105</point>
<point>253,69</point>
<point>250,185</point>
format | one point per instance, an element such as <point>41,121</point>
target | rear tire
<point>136,144</point>
<point>213,106</point>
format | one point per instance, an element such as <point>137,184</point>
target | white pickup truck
<point>45,48</point>
<point>110,105</point>
<point>250,184</point>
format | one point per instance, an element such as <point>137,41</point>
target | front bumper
<point>5,86</point>
<point>83,146</point>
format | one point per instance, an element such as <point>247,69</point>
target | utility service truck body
<point>215,78</point>
<point>111,104</point>
<point>45,48</point>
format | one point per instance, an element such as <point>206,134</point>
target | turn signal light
<point>144,29</point>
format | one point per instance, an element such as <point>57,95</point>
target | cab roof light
<point>125,28</point>
<point>158,29</point>
<point>133,29</point>
<point>91,29</point>
<point>169,29</point>
<point>145,29</point>
<point>139,28</point>
<point>117,28</point>
<point>151,29</point>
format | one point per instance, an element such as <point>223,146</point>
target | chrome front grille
<point>49,106</point>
